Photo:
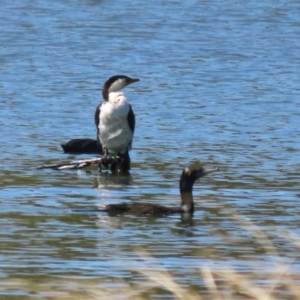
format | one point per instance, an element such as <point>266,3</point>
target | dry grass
<point>218,284</point>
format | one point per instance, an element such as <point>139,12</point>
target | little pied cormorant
<point>115,120</point>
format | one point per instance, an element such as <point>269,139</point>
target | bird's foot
<point>105,161</point>
<point>109,161</point>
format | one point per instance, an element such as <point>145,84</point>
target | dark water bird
<point>188,177</point>
<point>115,121</point>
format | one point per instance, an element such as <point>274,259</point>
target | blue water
<point>219,83</point>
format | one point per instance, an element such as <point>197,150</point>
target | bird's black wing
<point>131,119</point>
<point>97,120</point>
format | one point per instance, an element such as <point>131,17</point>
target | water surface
<point>219,84</point>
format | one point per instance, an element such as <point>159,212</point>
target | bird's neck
<point>187,202</point>
<point>105,94</point>
<point>186,193</point>
<point>117,98</point>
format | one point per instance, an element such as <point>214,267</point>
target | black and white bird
<point>115,121</point>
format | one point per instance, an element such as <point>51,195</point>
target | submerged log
<point>117,164</point>
<point>113,162</point>
<point>82,146</point>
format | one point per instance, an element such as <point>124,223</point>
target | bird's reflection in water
<point>109,181</point>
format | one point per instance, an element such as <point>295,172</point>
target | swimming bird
<point>188,177</point>
<point>115,121</point>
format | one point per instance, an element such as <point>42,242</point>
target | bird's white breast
<point>116,106</point>
<point>115,134</point>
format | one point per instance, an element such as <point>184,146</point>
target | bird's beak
<point>208,171</point>
<point>133,80</point>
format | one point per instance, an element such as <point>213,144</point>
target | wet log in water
<point>73,164</point>
<point>82,146</point>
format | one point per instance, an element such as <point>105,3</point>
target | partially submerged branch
<point>106,160</point>
<point>118,164</point>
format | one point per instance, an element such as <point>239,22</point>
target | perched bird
<point>188,177</point>
<point>87,145</point>
<point>115,121</point>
